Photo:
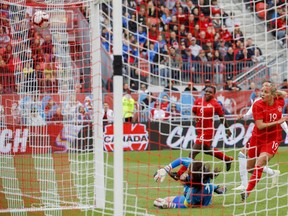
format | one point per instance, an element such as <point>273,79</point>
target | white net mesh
<point>55,80</point>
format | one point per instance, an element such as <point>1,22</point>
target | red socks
<point>256,176</point>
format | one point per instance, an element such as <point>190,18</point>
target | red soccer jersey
<point>268,114</point>
<point>205,111</point>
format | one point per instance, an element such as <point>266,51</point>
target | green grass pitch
<point>139,168</point>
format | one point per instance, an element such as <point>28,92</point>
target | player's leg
<point>273,173</point>
<point>218,154</point>
<point>170,202</point>
<point>242,169</point>
<point>262,160</point>
<point>196,149</point>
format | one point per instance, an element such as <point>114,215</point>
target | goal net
<point>57,132</point>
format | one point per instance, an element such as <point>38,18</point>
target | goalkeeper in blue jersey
<point>197,187</point>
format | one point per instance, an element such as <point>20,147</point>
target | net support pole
<point>118,108</point>
<point>99,181</point>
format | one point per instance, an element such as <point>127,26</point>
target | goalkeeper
<point>197,187</point>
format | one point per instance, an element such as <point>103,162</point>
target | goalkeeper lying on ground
<point>197,187</point>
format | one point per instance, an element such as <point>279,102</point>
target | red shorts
<point>204,139</point>
<point>255,149</point>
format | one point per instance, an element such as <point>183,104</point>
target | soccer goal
<point>59,91</point>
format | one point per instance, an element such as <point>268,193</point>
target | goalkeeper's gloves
<point>161,174</point>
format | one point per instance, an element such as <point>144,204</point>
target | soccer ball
<point>41,19</point>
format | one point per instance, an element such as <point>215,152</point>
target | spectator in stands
<point>237,34</point>
<point>182,33</point>
<point>195,48</point>
<point>226,111</point>
<point>136,80</point>
<point>153,33</point>
<point>49,107</point>
<point>203,66</point>
<point>158,114</point>
<point>281,33</point>
<point>109,84</point>
<point>147,101</point>
<point>35,119</point>
<point>164,102</point>
<point>128,107</point>
<point>108,114</point>
<point>210,32</point>
<point>257,57</point>
<point>190,87</point>
<point>276,15</point>
<point>7,55</point>
<point>77,87</point>
<point>88,105</point>
<point>82,115</point>
<point>251,47</point>
<point>217,22</point>
<point>69,107</point>
<point>231,21</point>
<point>160,44</point>
<point>58,115</point>
<point>226,36</point>
<point>208,47</point>
<point>215,8</point>
<point>230,85</point>
<point>173,40</point>
<point>175,63</point>
<point>218,67</point>
<point>222,47</point>
<point>4,37</point>
<point>204,6</point>
<point>255,94</point>
<point>170,87</point>
<point>174,113</point>
<point>141,36</point>
<point>126,89</point>
<point>143,88</point>
<point>229,62</point>
<point>152,12</point>
<point>141,16</point>
<point>284,85</point>
<point>151,52</point>
<point>207,84</point>
<point>105,39</point>
<point>190,5</point>
<point>16,112</point>
<point>132,25</point>
<point>2,91</point>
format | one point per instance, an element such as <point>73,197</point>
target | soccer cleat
<point>244,196</point>
<point>228,163</point>
<point>220,189</point>
<point>275,177</point>
<point>239,188</point>
<point>161,203</point>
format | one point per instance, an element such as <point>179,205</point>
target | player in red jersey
<point>204,110</point>
<point>266,135</point>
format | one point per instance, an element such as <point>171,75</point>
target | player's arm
<point>226,125</point>
<point>285,127</point>
<point>262,125</point>
<point>281,94</point>
<point>161,173</point>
